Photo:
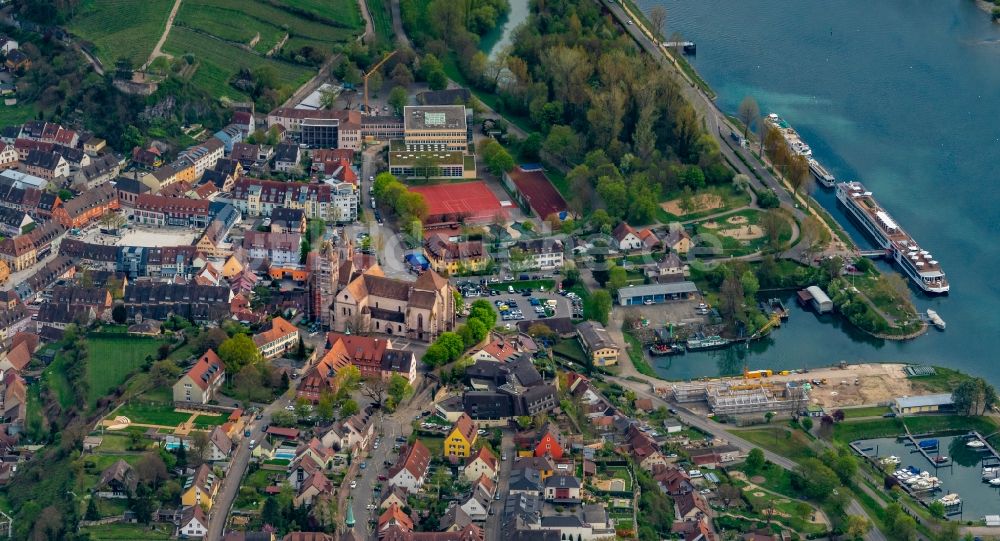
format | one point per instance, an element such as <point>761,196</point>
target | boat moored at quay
<point>918,264</point>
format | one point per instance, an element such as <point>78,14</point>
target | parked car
<point>354,483</point>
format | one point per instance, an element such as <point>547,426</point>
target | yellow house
<point>447,256</point>
<point>461,438</point>
<point>232,267</point>
<point>201,488</point>
<point>4,271</point>
<point>598,343</point>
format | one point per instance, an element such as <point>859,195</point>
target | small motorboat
<point>995,482</point>
<point>975,444</point>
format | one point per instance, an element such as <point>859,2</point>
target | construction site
<point>757,392</point>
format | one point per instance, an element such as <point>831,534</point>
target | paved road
<point>711,427</point>
<point>494,522</point>
<point>388,426</point>
<point>238,467</point>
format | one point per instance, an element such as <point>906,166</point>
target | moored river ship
<point>919,265</point>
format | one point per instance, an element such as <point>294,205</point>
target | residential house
<point>454,519</point>
<point>117,481</point>
<point>453,257</point>
<point>100,170</point>
<point>649,239</point>
<point>542,254</point>
<point>251,156</point>
<point>461,438</point>
<point>410,469</point>
<point>677,240</point>
<point>45,165</point>
<point>626,237</point>
<point>287,157</point>
<point>476,505</point>
<point>17,60</point>
<point>715,455</point>
<point>393,496</point>
<point>284,220</point>
<point>399,362</point>
<point>668,269</point>
<point>278,248</point>
<point>161,210</point>
<point>482,462</point>
<point>229,136</point>
<point>220,445</point>
<point>279,339</point>
<point>315,485</point>
<point>562,488</point>
<point>350,435</point>
<point>201,382</point>
<point>597,343</point>
<point>193,522</point>
<point>8,156</point>
<point>200,488</point>
<point>500,349</point>
<point>328,161</point>
<point>394,516</point>
<point>14,222</point>
<point>549,442</point>
<point>690,506</point>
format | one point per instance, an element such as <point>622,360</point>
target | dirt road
<point>157,52</point>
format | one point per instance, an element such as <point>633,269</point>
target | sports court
<point>535,189</point>
<point>469,202</point>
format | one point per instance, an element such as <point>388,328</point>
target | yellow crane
<point>371,71</point>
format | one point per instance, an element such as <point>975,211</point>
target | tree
<point>728,493</point>
<point>199,447</point>
<point>325,406</point>
<point>899,525</point>
<point>375,388</point>
<point>401,75</point>
<point>750,285</point>
<point>857,526</point>
<point>749,113</point>
<point>815,479</point>
<point>119,314</point>
<point>755,460</point>
<point>775,226</point>
<point>658,18</point>
<point>617,278</point>
<point>151,469</point>
<point>798,174</point>
<point>164,373</point>
<point>271,513</point>
<point>348,408</point>
<point>283,418</point>
<point>237,352</point>
<point>807,423</point>
<point>347,379</point>
<point>92,513</point>
<point>398,98</point>
<point>731,299</point>
<point>399,389</point>
<point>598,306</point>
<point>974,397</point>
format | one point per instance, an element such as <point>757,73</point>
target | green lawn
<point>637,356</point>
<point>55,379</point>
<point>344,12</point>
<point>570,349</point>
<point>381,19</point>
<point>208,422</point>
<point>849,431</point>
<point>944,380</point>
<point>115,532</point>
<point>218,62</point>
<point>121,28</point>
<point>153,414</point>
<point>16,114</point>
<point>781,440</point>
<point>112,358</point>
<point>870,411</point>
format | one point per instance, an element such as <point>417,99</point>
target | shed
<point>820,301</point>
<point>924,404</point>
<point>656,293</point>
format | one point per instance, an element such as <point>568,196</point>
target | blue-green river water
<point>903,96</point>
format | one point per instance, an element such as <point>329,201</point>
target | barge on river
<point>919,265</point>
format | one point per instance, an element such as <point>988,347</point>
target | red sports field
<point>536,189</point>
<point>471,202</point>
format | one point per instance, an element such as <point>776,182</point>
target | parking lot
<point>518,306</point>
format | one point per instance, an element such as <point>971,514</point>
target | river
<point>501,35</point>
<point>901,96</point>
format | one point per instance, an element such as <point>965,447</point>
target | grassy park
<point>112,358</point>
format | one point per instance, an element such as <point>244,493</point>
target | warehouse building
<point>656,293</point>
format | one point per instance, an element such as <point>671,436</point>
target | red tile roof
<point>206,370</point>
